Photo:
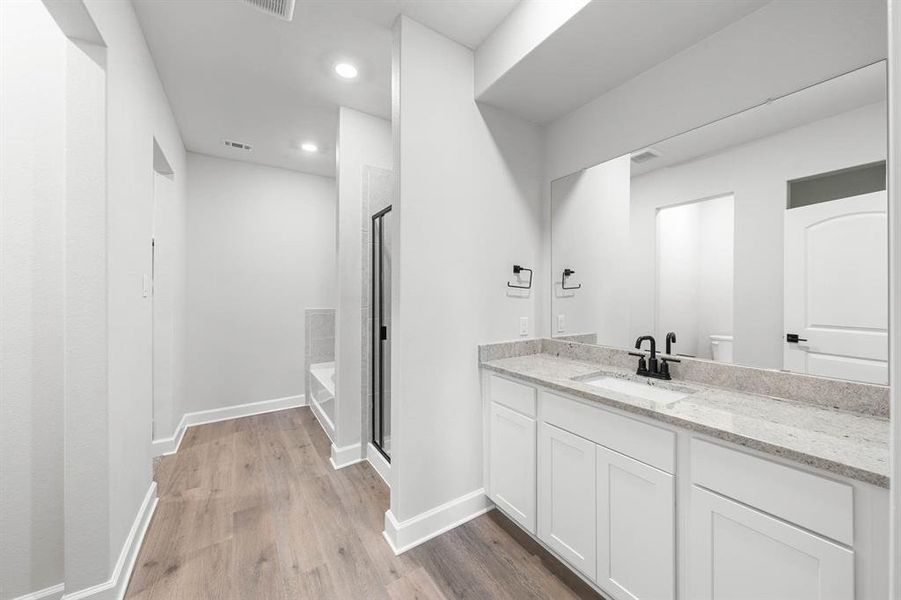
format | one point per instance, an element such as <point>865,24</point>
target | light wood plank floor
<point>251,508</point>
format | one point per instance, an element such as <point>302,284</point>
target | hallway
<point>251,508</point>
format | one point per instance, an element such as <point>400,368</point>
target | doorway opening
<point>160,288</point>
<point>695,257</point>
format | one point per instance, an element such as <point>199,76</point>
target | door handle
<point>792,338</point>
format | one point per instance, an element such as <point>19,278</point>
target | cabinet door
<point>636,535</point>
<point>513,464</point>
<point>738,552</point>
<point>566,497</point>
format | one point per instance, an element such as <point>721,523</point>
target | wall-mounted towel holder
<point>516,271</point>
<point>567,273</point>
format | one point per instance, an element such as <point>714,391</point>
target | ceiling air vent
<point>238,145</point>
<point>645,155</point>
<point>283,9</point>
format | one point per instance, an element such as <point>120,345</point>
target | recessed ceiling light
<point>346,70</point>
<point>309,147</point>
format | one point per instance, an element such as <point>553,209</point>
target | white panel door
<point>512,468</point>
<point>738,553</point>
<point>566,497</point>
<point>836,288</point>
<point>636,531</point>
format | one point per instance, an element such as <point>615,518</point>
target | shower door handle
<point>384,333</point>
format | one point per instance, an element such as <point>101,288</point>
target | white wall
<point>260,250</point>
<point>591,235</point>
<point>466,209</point>
<point>32,221</point>
<point>756,173</point>
<point>362,140</point>
<point>86,329</point>
<point>778,49</point>
<point>92,131</point>
<point>137,112</point>
<point>525,28</point>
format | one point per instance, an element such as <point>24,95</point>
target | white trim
<point>327,426</point>
<point>215,415</point>
<point>114,588</point>
<point>54,592</point>
<point>378,462</point>
<point>404,535</point>
<point>346,456</point>
<point>170,445</point>
<point>894,216</point>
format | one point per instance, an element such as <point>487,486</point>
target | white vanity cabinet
<point>601,505</point>
<point>635,528</point>
<point>739,552</point>
<point>566,492</point>
<point>511,450</point>
<point>513,464</point>
<point>600,489</point>
<point>761,529</point>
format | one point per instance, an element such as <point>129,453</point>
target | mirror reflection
<point>759,239</point>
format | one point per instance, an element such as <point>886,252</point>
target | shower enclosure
<point>381,332</point>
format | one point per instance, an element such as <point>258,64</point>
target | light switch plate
<point>561,323</point>
<point>524,326</point>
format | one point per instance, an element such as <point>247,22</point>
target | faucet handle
<point>642,364</point>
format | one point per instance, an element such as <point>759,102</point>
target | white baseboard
<point>378,462</point>
<point>114,588</point>
<point>170,445</point>
<point>346,456</point>
<point>54,592</point>
<point>327,426</point>
<point>404,535</point>
<point>243,410</point>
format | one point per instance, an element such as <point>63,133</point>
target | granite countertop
<point>853,445</point>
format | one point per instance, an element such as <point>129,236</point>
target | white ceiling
<point>841,94</point>
<point>233,72</point>
<point>604,45</point>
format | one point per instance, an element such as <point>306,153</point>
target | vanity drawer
<point>815,503</point>
<point>651,445</point>
<point>518,396</point>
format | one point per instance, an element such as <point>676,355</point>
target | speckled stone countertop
<point>853,445</point>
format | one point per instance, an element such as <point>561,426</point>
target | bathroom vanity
<point>749,459</point>
<point>684,489</point>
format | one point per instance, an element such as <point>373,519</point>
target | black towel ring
<point>516,271</point>
<point>567,273</point>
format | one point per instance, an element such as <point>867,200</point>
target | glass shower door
<point>381,332</point>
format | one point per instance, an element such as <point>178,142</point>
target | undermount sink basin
<point>647,392</point>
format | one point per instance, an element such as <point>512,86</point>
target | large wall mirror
<point>759,239</point>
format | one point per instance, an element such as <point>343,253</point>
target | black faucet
<point>670,340</point>
<point>652,363</point>
<point>651,368</point>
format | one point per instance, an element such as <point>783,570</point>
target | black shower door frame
<point>379,335</point>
